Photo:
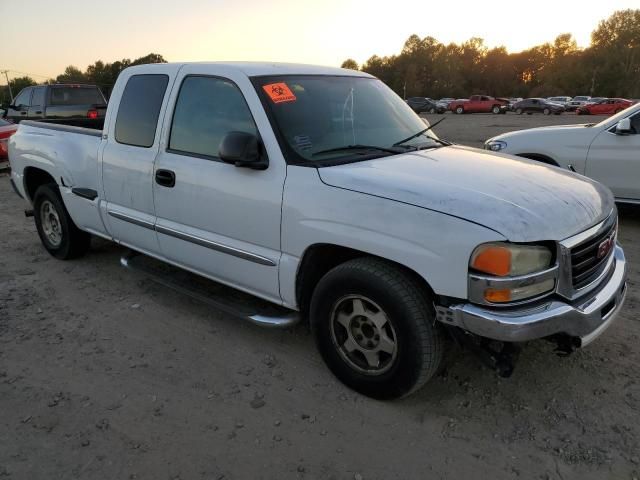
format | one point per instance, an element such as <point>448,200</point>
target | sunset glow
<point>69,32</point>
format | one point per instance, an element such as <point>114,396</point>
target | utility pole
<point>6,74</point>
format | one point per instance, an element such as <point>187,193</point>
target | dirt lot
<point>106,375</point>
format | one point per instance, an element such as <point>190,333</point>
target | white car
<point>608,152</point>
<point>320,191</point>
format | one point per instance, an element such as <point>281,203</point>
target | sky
<point>324,32</point>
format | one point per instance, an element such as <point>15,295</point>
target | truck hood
<point>523,200</point>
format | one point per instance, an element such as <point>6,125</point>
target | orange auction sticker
<point>279,92</point>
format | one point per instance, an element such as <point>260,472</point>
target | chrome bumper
<point>585,319</point>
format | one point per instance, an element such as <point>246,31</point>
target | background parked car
<point>425,104</point>
<point>561,100</point>
<point>606,106</point>
<point>445,102</point>
<point>6,130</point>
<point>576,102</point>
<point>480,104</point>
<point>537,105</point>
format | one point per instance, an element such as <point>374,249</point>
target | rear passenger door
<point>128,156</point>
<point>217,219</point>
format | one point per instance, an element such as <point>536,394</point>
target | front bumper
<point>585,319</point>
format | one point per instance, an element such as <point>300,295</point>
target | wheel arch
<point>318,259</point>
<point>35,177</point>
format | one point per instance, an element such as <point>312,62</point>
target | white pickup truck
<point>319,190</point>
<point>608,152</point>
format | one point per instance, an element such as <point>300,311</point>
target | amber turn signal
<point>493,259</point>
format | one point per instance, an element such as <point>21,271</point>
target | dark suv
<point>80,105</point>
<point>424,104</point>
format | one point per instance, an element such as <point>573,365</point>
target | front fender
<point>434,245</point>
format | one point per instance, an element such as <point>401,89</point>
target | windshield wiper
<point>422,132</point>
<point>357,147</point>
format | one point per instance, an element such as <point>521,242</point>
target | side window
<point>206,110</point>
<point>37,100</point>
<point>23,97</point>
<point>139,109</point>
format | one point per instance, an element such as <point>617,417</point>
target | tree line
<point>99,73</point>
<point>609,67</point>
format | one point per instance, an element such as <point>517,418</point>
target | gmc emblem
<point>605,247</point>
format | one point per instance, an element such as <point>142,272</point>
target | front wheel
<point>375,327</point>
<point>432,110</point>
<point>59,235</point>
<point>546,111</point>
<point>496,109</point>
<point>519,111</point>
<point>459,110</point>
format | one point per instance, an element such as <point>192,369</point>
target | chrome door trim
<point>219,247</point>
<point>127,218</point>
<point>252,257</point>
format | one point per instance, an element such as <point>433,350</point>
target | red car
<point>606,106</point>
<point>479,104</point>
<point>6,130</point>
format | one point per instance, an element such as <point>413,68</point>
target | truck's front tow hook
<point>499,356</point>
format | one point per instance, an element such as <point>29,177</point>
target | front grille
<point>587,259</point>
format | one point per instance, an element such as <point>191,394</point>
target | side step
<point>221,297</point>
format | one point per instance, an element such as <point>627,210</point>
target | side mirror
<point>623,127</point>
<point>243,150</point>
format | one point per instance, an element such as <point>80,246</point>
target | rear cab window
<point>139,109</point>
<point>66,95</point>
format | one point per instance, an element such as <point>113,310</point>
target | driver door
<point>21,104</point>
<point>614,160</point>
<point>214,218</point>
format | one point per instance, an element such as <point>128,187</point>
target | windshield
<point>318,117</point>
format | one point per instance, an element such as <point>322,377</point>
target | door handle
<point>166,178</point>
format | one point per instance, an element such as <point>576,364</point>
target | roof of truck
<point>255,69</point>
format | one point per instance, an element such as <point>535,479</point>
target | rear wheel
<point>546,111</point>
<point>375,328</point>
<point>59,235</point>
<point>459,110</point>
<point>432,110</point>
<point>519,111</point>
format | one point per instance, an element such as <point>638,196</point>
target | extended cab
<point>80,105</point>
<point>320,191</point>
<point>479,104</point>
<point>605,151</point>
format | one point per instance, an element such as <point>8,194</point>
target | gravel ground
<point>106,375</point>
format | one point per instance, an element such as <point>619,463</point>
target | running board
<point>221,297</point>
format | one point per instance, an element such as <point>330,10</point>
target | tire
<point>59,235</point>
<point>395,327</point>
<point>546,111</point>
<point>432,110</point>
<point>519,111</point>
<point>495,109</point>
<point>460,110</point>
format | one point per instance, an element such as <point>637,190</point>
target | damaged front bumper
<point>584,320</point>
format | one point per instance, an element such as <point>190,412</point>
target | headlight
<point>504,272</point>
<point>505,259</point>
<point>495,145</point>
